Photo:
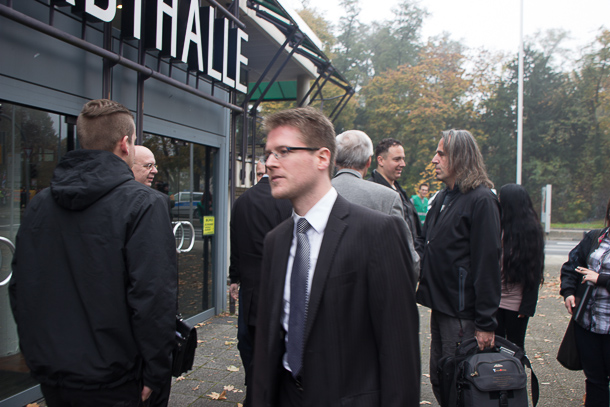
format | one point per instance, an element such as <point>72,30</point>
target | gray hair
<point>354,148</point>
<point>465,160</point>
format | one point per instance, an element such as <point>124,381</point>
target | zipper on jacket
<point>461,287</point>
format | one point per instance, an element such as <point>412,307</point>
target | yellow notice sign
<point>208,225</point>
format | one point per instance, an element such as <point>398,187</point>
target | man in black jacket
<point>93,290</point>
<point>390,162</point>
<point>460,252</point>
<point>254,214</point>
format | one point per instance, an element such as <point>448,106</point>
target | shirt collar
<point>318,215</point>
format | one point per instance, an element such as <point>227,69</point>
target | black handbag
<point>567,355</point>
<point>185,346</point>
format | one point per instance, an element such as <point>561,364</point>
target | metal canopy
<point>279,91</point>
<point>281,49</point>
<point>286,22</point>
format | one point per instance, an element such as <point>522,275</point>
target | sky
<point>491,24</point>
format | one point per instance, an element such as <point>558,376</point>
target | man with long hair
<point>460,252</point>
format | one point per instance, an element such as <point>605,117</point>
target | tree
<point>321,27</point>
<point>351,51</point>
<point>398,41</point>
<point>415,103</point>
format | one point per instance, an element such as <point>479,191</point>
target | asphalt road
<point>559,247</point>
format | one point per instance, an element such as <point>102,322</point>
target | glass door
<point>31,143</point>
<point>186,175</point>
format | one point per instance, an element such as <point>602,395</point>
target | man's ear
<point>123,147</point>
<point>366,167</point>
<point>380,161</point>
<point>323,156</point>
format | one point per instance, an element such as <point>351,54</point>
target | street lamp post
<point>520,102</point>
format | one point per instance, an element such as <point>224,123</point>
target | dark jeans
<point>594,350</point>
<point>161,398</point>
<point>511,327</point>
<point>447,332</point>
<point>125,395</point>
<point>245,344</point>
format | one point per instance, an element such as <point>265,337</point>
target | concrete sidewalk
<point>217,356</point>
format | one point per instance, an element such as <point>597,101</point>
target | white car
<point>184,205</point>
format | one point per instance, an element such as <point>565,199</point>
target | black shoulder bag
<point>185,346</point>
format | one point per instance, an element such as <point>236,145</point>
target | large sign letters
<point>182,30</point>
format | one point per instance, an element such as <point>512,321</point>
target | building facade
<point>191,71</point>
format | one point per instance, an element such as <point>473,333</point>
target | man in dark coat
<point>460,252</point>
<point>94,279</point>
<point>254,214</point>
<point>354,156</point>
<point>337,320</point>
<point>390,162</point>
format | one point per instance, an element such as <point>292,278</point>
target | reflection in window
<point>185,175</point>
<point>31,144</point>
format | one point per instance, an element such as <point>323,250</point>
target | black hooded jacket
<point>94,279</point>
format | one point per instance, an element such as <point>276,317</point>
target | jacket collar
<point>348,171</point>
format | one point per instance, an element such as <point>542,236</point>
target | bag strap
<point>470,346</point>
<point>534,380</point>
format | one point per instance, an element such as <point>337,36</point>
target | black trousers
<point>511,327</point>
<point>594,350</point>
<point>245,344</point>
<point>126,395</point>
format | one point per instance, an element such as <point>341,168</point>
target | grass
<point>598,224</point>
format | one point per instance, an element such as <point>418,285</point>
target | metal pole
<point>520,103</point>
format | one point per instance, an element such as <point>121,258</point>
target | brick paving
<point>217,355</point>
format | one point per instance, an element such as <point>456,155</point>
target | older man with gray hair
<point>354,156</point>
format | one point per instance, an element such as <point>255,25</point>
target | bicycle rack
<point>180,226</point>
<point>11,246</point>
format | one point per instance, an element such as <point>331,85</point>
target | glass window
<point>186,175</point>
<point>31,144</point>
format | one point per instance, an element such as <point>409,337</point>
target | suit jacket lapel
<point>281,252</point>
<point>335,228</point>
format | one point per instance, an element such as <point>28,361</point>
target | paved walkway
<point>217,356</point>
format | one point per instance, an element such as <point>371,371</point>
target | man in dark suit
<point>337,321</point>
<point>254,214</point>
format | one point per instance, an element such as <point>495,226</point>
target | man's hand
<point>146,392</point>
<point>485,339</point>
<point>234,290</point>
<point>570,303</point>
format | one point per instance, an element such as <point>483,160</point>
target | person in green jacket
<point>420,201</point>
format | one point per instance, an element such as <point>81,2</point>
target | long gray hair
<point>465,160</point>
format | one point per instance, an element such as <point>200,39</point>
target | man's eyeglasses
<point>150,166</point>
<point>284,151</point>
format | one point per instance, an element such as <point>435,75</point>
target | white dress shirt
<point>317,217</point>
